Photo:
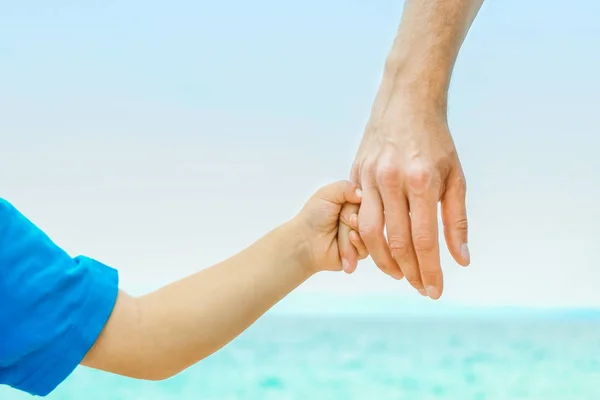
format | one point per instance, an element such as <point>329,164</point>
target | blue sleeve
<point>52,306</point>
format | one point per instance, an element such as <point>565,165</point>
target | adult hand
<point>407,162</point>
<point>405,165</point>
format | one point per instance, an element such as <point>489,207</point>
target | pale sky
<point>161,138</point>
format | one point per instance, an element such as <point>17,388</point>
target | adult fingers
<point>423,192</point>
<point>425,241</point>
<point>370,228</point>
<point>454,217</point>
<point>398,225</point>
<point>359,245</point>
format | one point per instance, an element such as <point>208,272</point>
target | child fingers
<point>340,192</point>
<point>348,252</point>
<point>349,217</point>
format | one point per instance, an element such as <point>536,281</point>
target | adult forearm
<point>424,51</point>
<point>159,334</point>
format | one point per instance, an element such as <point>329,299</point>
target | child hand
<point>322,232</point>
<point>352,248</point>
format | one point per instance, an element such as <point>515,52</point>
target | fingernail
<point>432,292</point>
<point>422,292</point>
<point>345,265</point>
<point>464,253</point>
<point>358,193</point>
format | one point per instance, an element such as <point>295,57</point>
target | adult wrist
<point>407,86</point>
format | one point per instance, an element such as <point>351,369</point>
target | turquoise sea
<point>460,358</point>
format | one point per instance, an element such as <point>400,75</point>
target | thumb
<point>454,217</point>
<point>340,192</point>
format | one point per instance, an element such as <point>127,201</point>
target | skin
<point>405,165</point>
<point>155,336</point>
<point>407,161</point>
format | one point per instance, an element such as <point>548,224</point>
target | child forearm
<point>157,335</point>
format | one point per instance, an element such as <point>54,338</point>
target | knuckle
<point>399,248</point>
<point>461,184</point>
<point>461,224</point>
<point>420,177</point>
<point>388,174</point>
<point>424,243</point>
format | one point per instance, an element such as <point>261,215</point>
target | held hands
<point>328,223</point>
<point>405,165</point>
<point>336,219</point>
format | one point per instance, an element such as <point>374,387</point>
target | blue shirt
<point>52,306</point>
